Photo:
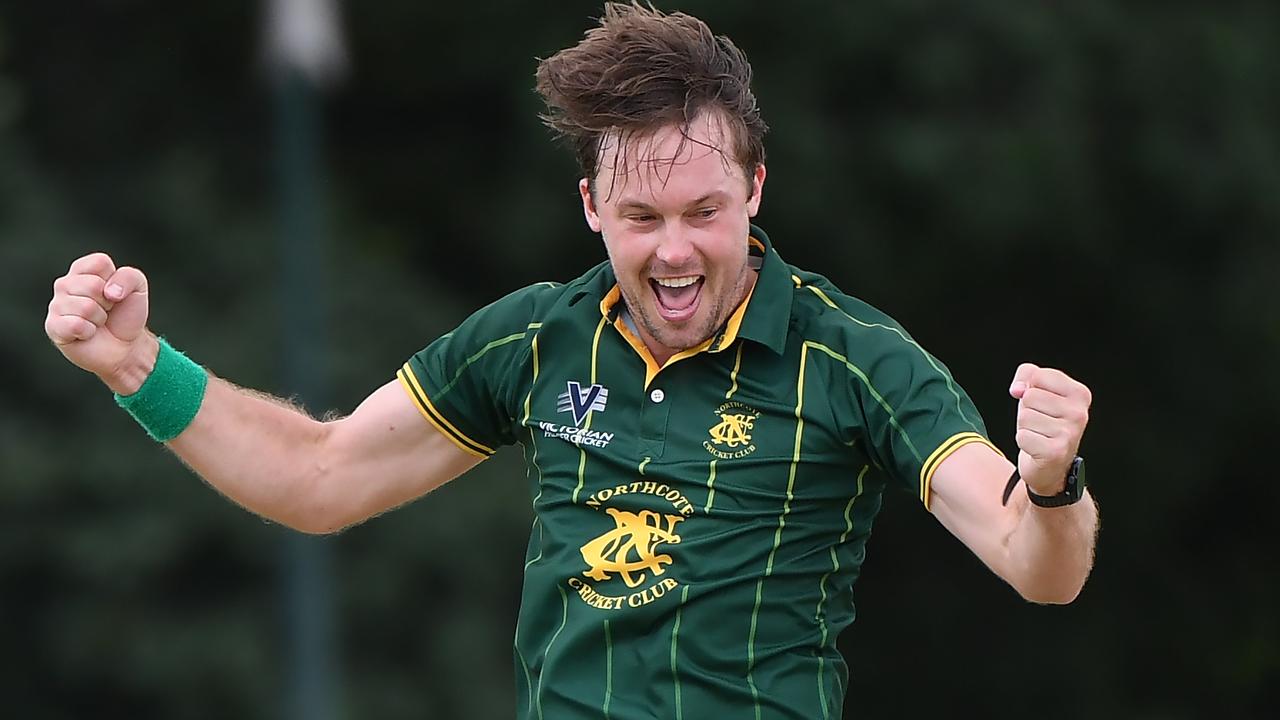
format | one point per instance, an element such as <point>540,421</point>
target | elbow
<point>316,528</point>
<point>313,509</point>
<point>1054,590</point>
<point>314,518</point>
<point>322,514</point>
<point>317,518</point>
<point>1051,596</point>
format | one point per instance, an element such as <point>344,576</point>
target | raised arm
<point>259,451</point>
<point>1045,553</point>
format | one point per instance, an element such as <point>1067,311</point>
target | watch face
<point>1075,478</point>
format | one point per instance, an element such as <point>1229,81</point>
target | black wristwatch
<point>1070,494</point>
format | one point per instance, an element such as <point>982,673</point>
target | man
<point>708,429</point>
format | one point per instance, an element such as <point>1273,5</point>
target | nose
<point>674,249</point>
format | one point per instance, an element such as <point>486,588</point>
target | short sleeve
<point>466,381</point>
<point>911,411</point>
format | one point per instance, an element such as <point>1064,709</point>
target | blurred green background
<point>1090,185</point>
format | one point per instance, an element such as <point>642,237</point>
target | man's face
<point>675,219</point>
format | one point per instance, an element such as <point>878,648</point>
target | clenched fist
<point>98,319</point>
<point>1053,411</point>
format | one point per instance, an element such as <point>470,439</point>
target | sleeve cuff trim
<point>944,451</point>
<point>410,383</point>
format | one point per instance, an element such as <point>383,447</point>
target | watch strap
<point>1069,495</point>
<point>1009,486</point>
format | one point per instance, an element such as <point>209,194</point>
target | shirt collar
<point>768,315</point>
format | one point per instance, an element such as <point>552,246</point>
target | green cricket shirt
<point>697,527</point>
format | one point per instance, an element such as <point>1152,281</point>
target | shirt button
<point>657,395</point>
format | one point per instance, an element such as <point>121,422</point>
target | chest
<point>745,420</point>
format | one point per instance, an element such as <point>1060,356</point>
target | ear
<point>589,205</point>
<point>757,187</point>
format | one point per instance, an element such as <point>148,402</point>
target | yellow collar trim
<point>716,343</point>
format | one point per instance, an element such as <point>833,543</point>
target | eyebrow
<point>636,204</point>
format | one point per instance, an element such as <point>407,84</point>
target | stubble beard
<point>678,340</point>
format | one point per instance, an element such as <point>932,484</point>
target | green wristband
<point>169,398</point>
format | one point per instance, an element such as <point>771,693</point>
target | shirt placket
<point>655,411</point>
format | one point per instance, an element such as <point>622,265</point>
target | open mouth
<point>677,297</point>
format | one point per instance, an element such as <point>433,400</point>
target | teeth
<point>677,282</point>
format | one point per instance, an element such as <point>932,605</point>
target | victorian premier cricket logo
<point>731,436</point>
<point>578,402</point>
<point>627,565</point>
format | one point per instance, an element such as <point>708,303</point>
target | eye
<point>705,213</point>
<point>641,218</point>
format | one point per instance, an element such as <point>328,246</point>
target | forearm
<point>1044,553</point>
<point>256,450</point>
<point>1050,550</point>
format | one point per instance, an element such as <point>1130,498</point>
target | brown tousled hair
<point>641,70</point>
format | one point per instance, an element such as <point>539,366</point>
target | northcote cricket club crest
<point>629,550</point>
<point>581,401</point>
<point>626,565</point>
<point>731,436</point>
